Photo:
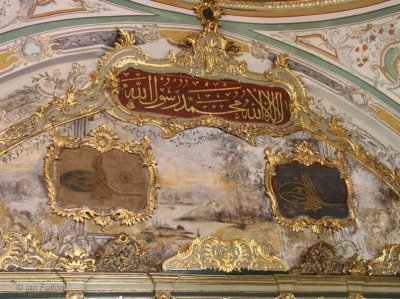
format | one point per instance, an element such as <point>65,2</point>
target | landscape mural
<point>211,184</point>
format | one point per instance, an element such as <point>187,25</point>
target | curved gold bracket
<point>208,58</point>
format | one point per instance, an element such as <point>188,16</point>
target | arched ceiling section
<point>66,136</point>
<point>349,61</point>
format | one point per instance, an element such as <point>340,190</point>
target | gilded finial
<point>208,14</point>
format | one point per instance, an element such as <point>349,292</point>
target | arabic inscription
<point>186,96</point>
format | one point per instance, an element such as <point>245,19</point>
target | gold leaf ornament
<point>76,260</point>
<point>235,255</point>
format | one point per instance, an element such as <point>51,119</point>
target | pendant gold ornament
<point>93,179</point>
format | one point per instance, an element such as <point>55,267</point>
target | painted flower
<point>365,47</point>
<point>56,73</point>
<point>381,30</point>
<point>372,37</point>
<point>391,31</point>
<point>48,83</point>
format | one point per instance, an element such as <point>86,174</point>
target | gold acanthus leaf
<point>76,260</point>
<point>235,255</point>
<point>124,38</point>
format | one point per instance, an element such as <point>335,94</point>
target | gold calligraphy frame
<point>207,55</point>
<point>102,140</point>
<point>307,155</point>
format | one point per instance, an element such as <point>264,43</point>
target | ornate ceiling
<point>60,64</point>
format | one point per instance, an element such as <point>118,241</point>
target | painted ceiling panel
<point>83,170</point>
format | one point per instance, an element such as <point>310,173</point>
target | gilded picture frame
<point>102,140</point>
<point>315,174</point>
<point>210,56</point>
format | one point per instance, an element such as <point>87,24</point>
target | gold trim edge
<point>227,256</point>
<point>101,96</point>
<point>24,252</point>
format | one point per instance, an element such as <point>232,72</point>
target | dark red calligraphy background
<point>186,96</point>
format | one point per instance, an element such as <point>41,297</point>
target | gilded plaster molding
<point>19,251</point>
<point>76,260</point>
<point>74,295</point>
<point>102,140</point>
<point>305,193</point>
<point>122,254</point>
<point>23,252</point>
<point>321,258</point>
<point>236,255</point>
<point>278,8</point>
<point>207,55</point>
<point>286,295</point>
<point>388,263</point>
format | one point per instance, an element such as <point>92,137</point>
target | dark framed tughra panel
<point>306,189</point>
<point>274,102</point>
<point>101,178</point>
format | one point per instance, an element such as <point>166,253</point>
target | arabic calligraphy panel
<point>188,97</point>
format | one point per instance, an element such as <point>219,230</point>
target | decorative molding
<point>235,255</point>
<point>279,8</point>
<point>388,263</point>
<point>304,189</point>
<point>74,295</point>
<point>23,252</point>
<point>356,265</point>
<point>102,140</point>
<point>286,296</point>
<point>32,48</point>
<point>122,254</point>
<point>220,63</point>
<point>321,258</point>
<point>76,260</point>
<point>164,295</point>
<point>355,296</point>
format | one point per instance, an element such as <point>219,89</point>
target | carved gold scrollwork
<point>207,55</point>
<point>321,258</point>
<point>164,295</point>
<point>102,140</point>
<point>355,296</point>
<point>307,155</point>
<point>286,295</point>
<point>388,263</point>
<point>356,265</point>
<point>75,260</point>
<point>74,295</point>
<point>122,254</point>
<point>227,256</point>
<point>24,252</point>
